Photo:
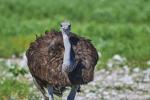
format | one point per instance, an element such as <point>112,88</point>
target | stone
<point>126,69</point>
<point>91,95</point>
<point>119,59</point>
<point>79,98</point>
<point>146,78</point>
<point>118,84</point>
<point>110,64</point>
<point>148,63</point>
<point>107,97</point>
<point>144,87</point>
<point>136,70</point>
<point>113,93</point>
<point>105,93</point>
<point>127,80</point>
<point>146,75</point>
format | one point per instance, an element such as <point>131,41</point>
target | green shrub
<point>115,27</point>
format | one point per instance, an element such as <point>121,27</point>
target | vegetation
<point>11,89</point>
<point>115,27</point>
<point>14,85</point>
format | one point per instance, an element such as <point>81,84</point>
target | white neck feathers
<point>67,52</point>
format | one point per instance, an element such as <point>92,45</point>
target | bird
<point>61,59</point>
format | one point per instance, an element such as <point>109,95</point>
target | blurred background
<point>118,29</point>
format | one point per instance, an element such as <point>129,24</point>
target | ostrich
<point>61,59</point>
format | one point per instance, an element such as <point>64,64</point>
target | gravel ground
<point>116,84</point>
<point>117,81</point>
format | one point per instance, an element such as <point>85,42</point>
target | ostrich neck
<point>67,46</point>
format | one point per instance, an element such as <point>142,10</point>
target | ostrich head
<point>65,27</point>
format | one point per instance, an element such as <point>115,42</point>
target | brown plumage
<point>45,58</point>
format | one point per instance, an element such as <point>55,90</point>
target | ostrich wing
<point>45,57</point>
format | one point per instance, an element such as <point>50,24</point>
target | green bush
<point>115,27</point>
<point>12,89</point>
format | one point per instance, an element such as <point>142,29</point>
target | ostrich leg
<point>39,88</point>
<point>73,91</point>
<point>50,93</point>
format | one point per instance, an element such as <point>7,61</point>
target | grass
<point>115,27</point>
<point>14,85</point>
<point>10,87</point>
<point>13,89</point>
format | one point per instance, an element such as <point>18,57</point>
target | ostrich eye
<point>69,25</point>
<point>60,25</point>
